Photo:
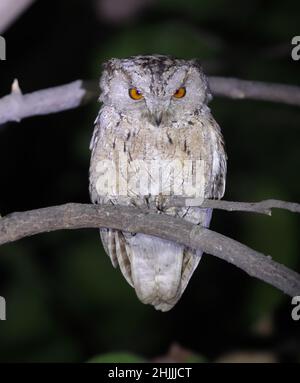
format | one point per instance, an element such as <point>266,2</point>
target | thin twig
<point>10,10</point>
<point>262,207</point>
<point>74,216</point>
<point>15,107</point>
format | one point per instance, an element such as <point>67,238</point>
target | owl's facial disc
<point>156,88</point>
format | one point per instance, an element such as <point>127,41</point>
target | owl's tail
<point>158,269</point>
<point>161,270</point>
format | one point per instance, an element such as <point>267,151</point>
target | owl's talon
<point>160,201</point>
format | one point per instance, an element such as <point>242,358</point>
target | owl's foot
<point>160,202</point>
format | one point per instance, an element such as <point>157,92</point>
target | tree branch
<point>74,216</point>
<point>16,106</point>
<point>255,90</point>
<point>10,10</point>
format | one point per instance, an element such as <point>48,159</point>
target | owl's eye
<point>135,94</point>
<point>180,92</point>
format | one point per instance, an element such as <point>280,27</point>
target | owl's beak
<point>158,116</point>
<point>157,112</point>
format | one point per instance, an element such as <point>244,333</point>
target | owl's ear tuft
<point>196,63</point>
<point>108,68</point>
<point>111,65</point>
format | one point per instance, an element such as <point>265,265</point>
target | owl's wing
<point>96,132</point>
<point>216,184</point>
<point>116,247</point>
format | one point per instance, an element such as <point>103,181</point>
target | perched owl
<point>154,113</point>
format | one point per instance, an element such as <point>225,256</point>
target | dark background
<point>65,302</point>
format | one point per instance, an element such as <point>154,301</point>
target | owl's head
<point>159,88</point>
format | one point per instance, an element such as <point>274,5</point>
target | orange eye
<point>180,92</point>
<point>135,94</point>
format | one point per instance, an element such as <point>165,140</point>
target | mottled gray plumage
<point>160,127</point>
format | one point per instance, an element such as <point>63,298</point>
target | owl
<point>155,137</point>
